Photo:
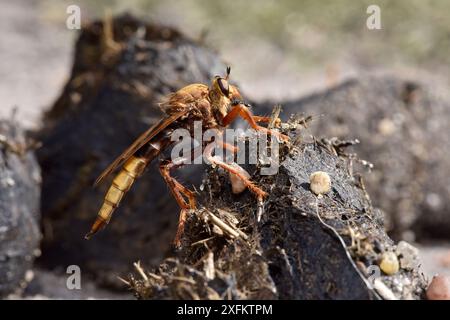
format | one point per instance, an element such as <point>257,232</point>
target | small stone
<point>389,263</point>
<point>434,201</point>
<point>408,254</point>
<point>10,182</point>
<point>29,275</point>
<point>439,288</point>
<point>320,182</point>
<point>386,127</point>
<point>444,259</point>
<point>75,97</point>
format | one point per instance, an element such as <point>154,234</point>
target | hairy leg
<point>242,111</point>
<point>229,168</point>
<point>180,193</point>
<point>260,119</point>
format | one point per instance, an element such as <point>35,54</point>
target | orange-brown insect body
<point>216,106</point>
<point>207,104</point>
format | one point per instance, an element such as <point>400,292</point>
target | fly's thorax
<point>224,107</point>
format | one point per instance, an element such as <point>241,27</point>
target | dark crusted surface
<point>305,247</point>
<point>19,207</point>
<point>109,101</point>
<point>403,129</point>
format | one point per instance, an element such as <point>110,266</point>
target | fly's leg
<point>180,193</point>
<point>260,194</point>
<point>228,146</point>
<point>241,110</point>
<point>260,119</point>
<point>219,141</point>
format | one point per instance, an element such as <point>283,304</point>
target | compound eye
<point>223,85</point>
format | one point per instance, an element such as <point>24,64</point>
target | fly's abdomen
<point>123,181</point>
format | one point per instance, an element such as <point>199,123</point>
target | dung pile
<point>402,126</point>
<point>306,246</point>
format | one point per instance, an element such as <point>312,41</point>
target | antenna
<point>228,72</point>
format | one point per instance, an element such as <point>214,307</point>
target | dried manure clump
<point>402,127</point>
<point>19,207</point>
<point>305,246</point>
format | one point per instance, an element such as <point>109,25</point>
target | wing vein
<point>144,138</point>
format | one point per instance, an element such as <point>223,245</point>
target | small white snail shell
<point>319,182</point>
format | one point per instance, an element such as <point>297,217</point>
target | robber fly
<point>216,107</point>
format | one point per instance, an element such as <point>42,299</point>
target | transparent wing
<point>140,142</point>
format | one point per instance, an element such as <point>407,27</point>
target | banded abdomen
<point>122,182</point>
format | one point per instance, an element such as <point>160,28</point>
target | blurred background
<point>278,50</point>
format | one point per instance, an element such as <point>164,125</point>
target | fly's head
<point>221,94</point>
